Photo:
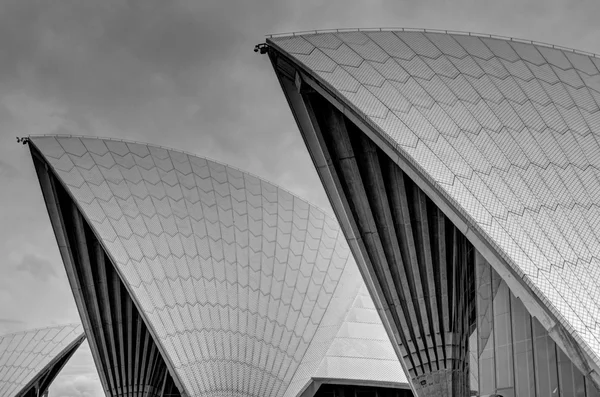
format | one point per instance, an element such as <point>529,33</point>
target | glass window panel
<point>565,372</point>
<point>590,389</point>
<point>579,381</point>
<point>473,362</point>
<point>545,362</point>
<point>487,384</point>
<point>503,337</point>
<point>522,349</point>
<point>511,354</point>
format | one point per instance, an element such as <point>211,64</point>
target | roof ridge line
<point>427,30</point>
<point>327,214</point>
<point>40,329</point>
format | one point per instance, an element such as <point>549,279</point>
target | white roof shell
<point>507,131</point>
<point>25,355</point>
<point>248,289</point>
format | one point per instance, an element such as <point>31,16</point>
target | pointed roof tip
<point>326,212</point>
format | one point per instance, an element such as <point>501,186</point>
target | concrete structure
<point>464,171</point>
<point>193,278</point>
<point>31,360</point>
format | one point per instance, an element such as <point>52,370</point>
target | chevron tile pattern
<point>24,355</point>
<point>506,130</point>
<point>233,275</point>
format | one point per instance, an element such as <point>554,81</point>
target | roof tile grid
<point>530,115</point>
<point>23,355</point>
<point>227,268</point>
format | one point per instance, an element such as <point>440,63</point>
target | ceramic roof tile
<point>268,268</point>
<point>26,356</point>
<point>546,101</point>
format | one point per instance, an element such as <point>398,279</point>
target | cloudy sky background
<point>182,74</point>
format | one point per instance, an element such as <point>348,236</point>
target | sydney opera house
<point>464,171</point>
<point>193,278</point>
<point>31,360</point>
<point>464,261</point>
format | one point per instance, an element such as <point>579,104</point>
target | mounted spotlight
<point>263,48</point>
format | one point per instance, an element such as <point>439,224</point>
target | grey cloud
<point>8,325</point>
<point>106,56</point>
<point>182,73</point>
<point>7,171</point>
<point>10,321</point>
<point>39,268</point>
<point>148,69</point>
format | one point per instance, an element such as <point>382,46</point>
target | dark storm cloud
<point>147,69</point>
<point>39,268</point>
<point>108,57</point>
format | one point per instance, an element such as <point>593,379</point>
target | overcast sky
<point>182,74</point>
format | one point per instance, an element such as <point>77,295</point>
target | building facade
<point>193,278</point>
<point>31,360</point>
<point>463,170</point>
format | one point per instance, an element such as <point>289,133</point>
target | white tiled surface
<point>233,273</point>
<point>507,131</point>
<point>24,354</point>
<point>361,348</point>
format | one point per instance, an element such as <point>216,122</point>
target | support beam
<point>83,270</point>
<point>405,238</point>
<point>427,275</point>
<point>378,198</point>
<point>128,325</point>
<point>103,286</point>
<point>118,336</point>
<point>52,193</point>
<point>345,163</point>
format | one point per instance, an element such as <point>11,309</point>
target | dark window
<point>487,384</point>
<point>522,349</point>
<point>503,335</point>
<point>516,355</point>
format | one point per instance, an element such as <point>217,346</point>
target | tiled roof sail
<point>26,356</point>
<point>244,285</point>
<point>506,131</point>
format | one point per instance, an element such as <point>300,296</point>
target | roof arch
<point>429,30</point>
<point>242,285</point>
<point>30,360</point>
<point>503,134</point>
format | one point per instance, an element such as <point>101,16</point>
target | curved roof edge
<point>135,299</point>
<point>426,30</point>
<point>538,304</point>
<point>86,322</point>
<point>547,313</point>
<point>64,354</point>
<point>42,328</point>
<point>325,212</point>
